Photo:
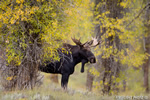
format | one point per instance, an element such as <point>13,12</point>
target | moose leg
<point>83,63</point>
<point>64,81</point>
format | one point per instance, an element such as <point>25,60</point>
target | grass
<point>51,91</point>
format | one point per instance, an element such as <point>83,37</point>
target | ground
<point>51,91</point>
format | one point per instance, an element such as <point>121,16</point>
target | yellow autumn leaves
<point>21,1</point>
<point>17,14</point>
<point>10,78</point>
<point>94,72</point>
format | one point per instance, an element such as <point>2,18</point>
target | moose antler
<point>95,42</point>
<point>77,42</point>
<point>88,43</point>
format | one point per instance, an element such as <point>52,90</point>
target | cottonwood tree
<point>121,42</point>
<point>111,41</point>
<point>31,31</point>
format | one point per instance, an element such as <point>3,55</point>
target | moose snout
<point>92,59</point>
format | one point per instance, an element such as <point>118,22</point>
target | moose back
<point>74,55</point>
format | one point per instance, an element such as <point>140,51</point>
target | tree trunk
<point>26,74</point>
<point>147,49</point>
<point>145,69</point>
<point>124,85</point>
<point>146,65</point>
<point>111,67</point>
<point>89,81</point>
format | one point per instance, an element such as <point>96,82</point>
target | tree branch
<point>138,15</point>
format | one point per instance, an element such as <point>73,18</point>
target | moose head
<point>84,51</point>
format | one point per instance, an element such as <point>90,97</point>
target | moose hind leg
<point>64,81</point>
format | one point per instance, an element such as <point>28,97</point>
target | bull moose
<point>68,60</point>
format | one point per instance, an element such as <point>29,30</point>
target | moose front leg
<point>64,81</point>
<point>83,63</point>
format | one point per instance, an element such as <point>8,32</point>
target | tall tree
<point>121,40</point>
<point>89,80</point>
<point>147,48</point>
<point>31,31</point>
<point>111,41</point>
<point>28,28</point>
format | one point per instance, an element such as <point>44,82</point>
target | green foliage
<point>94,72</point>
<point>79,19</point>
<point>128,35</point>
<point>31,31</point>
<point>51,22</point>
<point>134,82</point>
<point>122,41</point>
<point>39,27</point>
<point>22,21</point>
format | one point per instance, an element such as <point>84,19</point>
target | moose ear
<point>65,45</point>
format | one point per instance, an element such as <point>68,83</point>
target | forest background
<point>31,31</point>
